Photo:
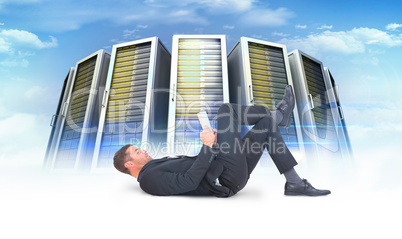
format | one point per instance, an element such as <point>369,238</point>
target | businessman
<point>225,162</point>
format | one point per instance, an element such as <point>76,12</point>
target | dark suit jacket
<point>184,175</point>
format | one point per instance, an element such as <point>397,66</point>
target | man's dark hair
<point>120,158</point>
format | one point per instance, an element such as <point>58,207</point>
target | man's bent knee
<point>225,108</point>
<point>264,125</point>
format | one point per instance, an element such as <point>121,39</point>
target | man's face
<point>138,156</point>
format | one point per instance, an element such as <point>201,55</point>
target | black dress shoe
<point>286,106</point>
<point>303,188</point>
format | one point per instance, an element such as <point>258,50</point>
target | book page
<point>203,117</point>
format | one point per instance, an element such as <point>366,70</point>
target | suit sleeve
<point>170,183</point>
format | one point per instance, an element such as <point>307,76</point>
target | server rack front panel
<point>314,105</point>
<point>76,142</point>
<point>322,113</point>
<point>126,103</point>
<point>129,113</point>
<point>71,133</point>
<point>198,82</point>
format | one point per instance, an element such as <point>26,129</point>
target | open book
<point>204,120</point>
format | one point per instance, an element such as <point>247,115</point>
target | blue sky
<point>360,41</point>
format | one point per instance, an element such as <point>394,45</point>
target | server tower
<point>339,118</point>
<point>313,101</point>
<point>258,74</point>
<point>135,102</point>
<point>199,81</point>
<point>57,118</point>
<point>76,139</point>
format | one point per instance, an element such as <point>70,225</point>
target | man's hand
<point>207,137</point>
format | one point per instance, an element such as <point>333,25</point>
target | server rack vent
<point>71,133</point>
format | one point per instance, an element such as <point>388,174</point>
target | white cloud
<point>267,17</point>
<point>280,34</point>
<point>27,96</point>
<point>168,16</point>
<point>257,36</point>
<point>185,16</point>
<point>327,41</point>
<point>229,27</point>
<point>383,129</point>
<point>373,36</point>
<point>16,125</point>
<point>298,26</point>
<point>131,17</point>
<point>227,5</point>
<point>116,41</point>
<point>35,92</point>
<point>15,2</point>
<point>212,6</point>
<point>180,13</point>
<point>13,62</point>
<point>1,23</point>
<point>19,1</point>
<point>4,46</point>
<point>324,27</point>
<point>393,26</point>
<point>17,45</point>
<point>142,26</point>
<point>23,132</point>
<point>64,16</point>
<point>348,42</point>
<point>11,40</point>
<point>130,34</point>
<point>369,60</point>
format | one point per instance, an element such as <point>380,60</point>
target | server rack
<point>75,143</point>
<point>199,81</point>
<point>258,74</point>
<point>135,102</point>
<point>56,120</point>
<point>339,118</point>
<point>313,102</point>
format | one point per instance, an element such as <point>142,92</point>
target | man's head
<point>130,159</point>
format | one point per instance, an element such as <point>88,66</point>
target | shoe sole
<point>301,194</point>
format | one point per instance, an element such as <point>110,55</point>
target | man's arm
<point>169,183</point>
<point>163,183</point>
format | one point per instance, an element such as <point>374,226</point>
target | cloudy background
<point>360,41</point>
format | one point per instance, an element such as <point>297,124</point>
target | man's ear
<point>129,164</point>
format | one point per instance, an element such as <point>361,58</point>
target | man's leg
<point>240,159</point>
<point>266,134</point>
<point>232,152</point>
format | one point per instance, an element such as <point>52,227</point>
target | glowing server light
<point>57,118</point>
<point>340,123</point>
<point>75,143</point>
<point>258,74</point>
<point>135,102</point>
<point>313,102</point>
<point>199,81</point>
